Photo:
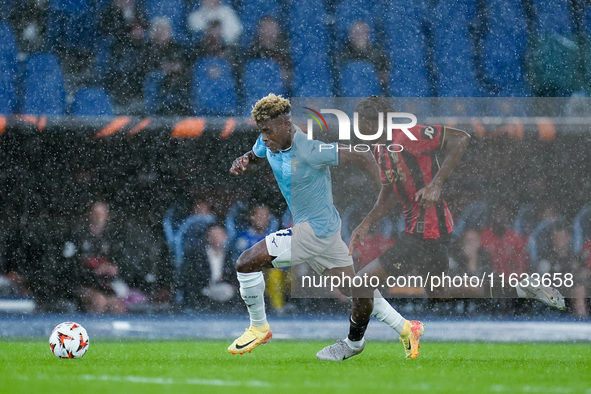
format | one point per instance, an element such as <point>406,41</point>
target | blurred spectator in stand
<point>29,21</point>
<point>201,217</point>
<point>140,254</point>
<point>207,272</point>
<point>124,23</point>
<point>468,255</point>
<point>271,43</point>
<point>559,258</point>
<point>189,238</point>
<point>548,216</point>
<point>167,58</point>
<point>506,248</point>
<point>101,290</point>
<point>161,47</point>
<point>213,44</point>
<point>259,220</point>
<point>13,283</point>
<point>214,11</point>
<point>360,47</point>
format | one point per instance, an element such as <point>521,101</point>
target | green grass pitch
<point>27,366</point>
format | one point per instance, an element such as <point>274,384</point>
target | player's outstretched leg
<point>252,289</point>
<point>546,295</point>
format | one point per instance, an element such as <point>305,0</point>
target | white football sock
<point>252,290</point>
<point>355,344</point>
<point>383,311</point>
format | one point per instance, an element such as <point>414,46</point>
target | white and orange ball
<point>69,340</point>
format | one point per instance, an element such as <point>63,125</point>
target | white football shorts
<point>299,244</point>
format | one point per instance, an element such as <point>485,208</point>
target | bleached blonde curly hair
<point>270,107</point>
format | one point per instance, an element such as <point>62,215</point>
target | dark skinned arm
<point>246,163</point>
<point>454,147</point>
<point>383,206</point>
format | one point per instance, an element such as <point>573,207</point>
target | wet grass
<point>27,366</point>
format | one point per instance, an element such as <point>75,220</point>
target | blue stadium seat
<point>349,11</point>
<point>214,88</point>
<point>306,13</point>
<point>526,220</point>
<point>92,102</point>
<point>581,228</point>
<point>8,65</point>
<point>6,6</point>
<point>43,86</point>
<point>587,20</point>
<point>454,52</point>
<point>100,5</point>
<point>553,17</point>
<point>251,13</point>
<point>474,216</point>
<point>308,30</point>
<point>70,6</point>
<point>503,47</point>
<point>359,79</point>
<point>7,39</point>
<point>71,24</point>
<point>7,93</point>
<point>261,77</point>
<point>407,48</point>
<point>195,4</point>
<point>312,77</point>
<point>309,48</point>
<point>102,57</point>
<point>151,91</point>
<point>174,10</point>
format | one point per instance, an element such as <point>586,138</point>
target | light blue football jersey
<point>303,176</point>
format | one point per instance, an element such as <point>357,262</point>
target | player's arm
<point>365,161</point>
<point>248,162</point>
<point>384,204</point>
<point>453,148</point>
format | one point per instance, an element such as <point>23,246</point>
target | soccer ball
<point>69,340</point>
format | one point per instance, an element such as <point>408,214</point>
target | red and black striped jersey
<point>409,171</point>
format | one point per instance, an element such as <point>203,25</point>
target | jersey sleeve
<point>319,154</point>
<point>259,148</point>
<point>429,139</point>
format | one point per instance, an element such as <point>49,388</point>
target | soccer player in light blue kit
<point>301,167</point>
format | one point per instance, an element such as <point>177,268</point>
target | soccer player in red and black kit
<point>413,176</point>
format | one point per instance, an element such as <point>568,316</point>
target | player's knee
<point>254,259</point>
<point>243,262</point>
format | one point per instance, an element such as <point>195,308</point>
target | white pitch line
<point>158,381</point>
<point>500,388</point>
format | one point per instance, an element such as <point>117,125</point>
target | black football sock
<point>356,332</point>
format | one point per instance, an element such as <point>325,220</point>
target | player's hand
<point>428,195</point>
<point>239,165</point>
<point>358,235</point>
